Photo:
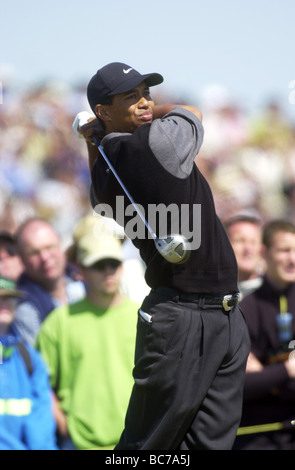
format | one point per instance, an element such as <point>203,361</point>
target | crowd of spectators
<point>248,157</point>
<point>43,165</point>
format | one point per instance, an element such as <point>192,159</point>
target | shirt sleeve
<point>47,344</point>
<point>27,322</point>
<point>40,428</point>
<point>175,140</point>
<point>50,343</point>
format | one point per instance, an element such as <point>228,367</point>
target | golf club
<point>174,248</point>
<point>268,427</point>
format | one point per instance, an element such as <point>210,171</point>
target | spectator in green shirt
<point>89,348</point>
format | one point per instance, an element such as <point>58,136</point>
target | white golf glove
<point>79,121</point>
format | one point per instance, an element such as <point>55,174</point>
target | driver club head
<point>174,248</point>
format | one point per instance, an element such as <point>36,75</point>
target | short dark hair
<point>242,218</point>
<point>275,226</point>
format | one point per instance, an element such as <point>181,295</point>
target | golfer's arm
<point>162,109</point>
<point>91,128</point>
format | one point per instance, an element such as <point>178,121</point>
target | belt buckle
<point>225,301</point>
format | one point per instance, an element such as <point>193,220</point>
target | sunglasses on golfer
<point>106,263</point>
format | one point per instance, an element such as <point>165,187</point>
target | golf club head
<point>174,248</point>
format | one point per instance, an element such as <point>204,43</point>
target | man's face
<point>280,258</point>
<point>41,253</point>
<point>7,307</point>
<point>245,238</point>
<point>103,278</point>
<point>129,110</point>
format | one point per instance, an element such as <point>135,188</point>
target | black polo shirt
<point>157,165</point>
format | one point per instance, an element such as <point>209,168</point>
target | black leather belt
<point>228,302</point>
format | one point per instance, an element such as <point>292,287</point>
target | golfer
<point>192,341</point>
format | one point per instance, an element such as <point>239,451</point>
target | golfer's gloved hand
<point>86,125</point>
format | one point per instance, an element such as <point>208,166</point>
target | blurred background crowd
<point>43,165</point>
<point>247,156</point>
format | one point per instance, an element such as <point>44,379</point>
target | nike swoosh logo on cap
<point>127,70</point>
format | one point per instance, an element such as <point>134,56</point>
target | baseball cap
<point>8,288</point>
<point>116,78</point>
<point>90,249</point>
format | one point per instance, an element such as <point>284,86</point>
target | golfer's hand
<point>86,125</point>
<point>93,127</point>
<point>253,364</point>
<point>290,366</point>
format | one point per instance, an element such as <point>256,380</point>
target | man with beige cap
<point>132,284</point>
<point>89,348</point>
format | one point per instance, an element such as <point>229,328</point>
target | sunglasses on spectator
<point>106,263</point>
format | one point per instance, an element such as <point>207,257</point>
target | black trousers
<point>189,374</point>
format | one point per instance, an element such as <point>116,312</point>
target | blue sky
<point>246,46</point>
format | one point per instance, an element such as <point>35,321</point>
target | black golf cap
<point>116,78</point>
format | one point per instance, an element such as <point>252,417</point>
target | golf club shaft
<point>268,427</point>
<point>99,147</point>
